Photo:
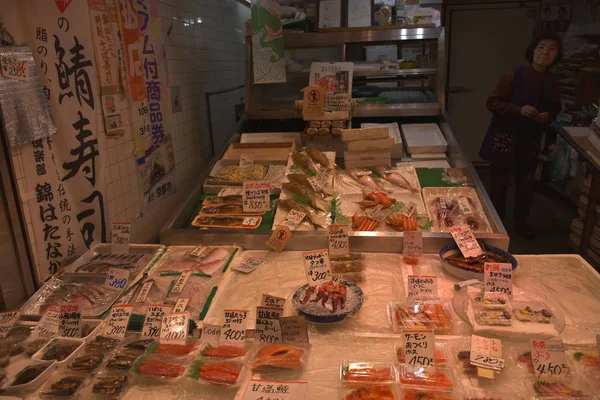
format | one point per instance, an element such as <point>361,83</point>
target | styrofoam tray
<point>424,138</point>
<point>274,172</point>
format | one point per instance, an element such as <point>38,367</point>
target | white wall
<point>205,53</point>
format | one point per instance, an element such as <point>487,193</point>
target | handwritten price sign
<point>317,267</point>
<point>466,241</point>
<point>211,333</point>
<point>12,68</point>
<point>174,327</point>
<point>249,264</point>
<point>413,243</point>
<point>497,278</point>
<point>419,347</point>
<point>7,320</point>
<point>255,196</point>
<point>234,328</point>
<point>293,219</point>
<point>153,320</point>
<point>268,329</point>
<point>117,321</point>
<point>181,281</point>
<point>70,321</point>
<point>274,390</point>
<point>120,237</point>
<point>486,353</point>
<point>339,244</point>
<point>272,301</point>
<point>549,359</point>
<point>422,286</point>
<point>48,325</point>
<point>116,279</point>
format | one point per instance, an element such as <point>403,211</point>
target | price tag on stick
<point>466,241</point>
<point>293,219</point>
<point>317,267</point>
<point>234,328</point>
<point>181,304</point>
<point>48,325</point>
<point>549,359</point>
<point>422,287</point>
<point>141,297</point>
<point>272,301</point>
<point>116,279</point>
<point>211,333</point>
<point>198,251</point>
<point>120,237</point>
<point>339,244</point>
<point>181,281</point>
<point>419,347</point>
<point>255,196</point>
<point>174,327</point>
<point>497,278</point>
<point>7,320</point>
<point>70,321</point>
<point>267,328</point>
<point>486,353</point>
<point>117,321</point>
<point>153,320</point>
<point>13,68</point>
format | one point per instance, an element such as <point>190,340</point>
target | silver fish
<point>318,156</point>
<point>401,181</point>
<point>369,182</point>
<point>344,179</point>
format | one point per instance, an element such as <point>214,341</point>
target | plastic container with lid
<point>157,368</point>
<point>435,379</point>
<point>279,356</point>
<point>225,351</point>
<point>64,385</point>
<point>532,312</point>
<point>85,361</point>
<point>360,372</point>
<point>30,377</point>
<point>108,385</point>
<point>369,392</point>
<point>59,349</point>
<point>222,373</point>
<point>555,390</point>
<point>189,349</point>
<point>489,301</point>
<point>427,314</point>
<point>441,356</point>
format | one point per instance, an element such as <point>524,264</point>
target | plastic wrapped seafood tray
<point>99,259</point>
<point>448,207</point>
<point>273,171</point>
<point>431,314</point>
<point>86,290</point>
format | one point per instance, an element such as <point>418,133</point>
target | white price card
<point>234,328</point>
<point>181,304</point>
<point>267,328</point>
<point>466,241</point>
<point>323,177</point>
<point>274,390</point>
<point>419,347</point>
<point>422,287</point>
<point>141,297</point>
<point>279,238</point>
<point>293,219</point>
<point>246,159</point>
<point>339,244</point>
<point>409,209</point>
<point>256,196</point>
<point>497,278</point>
<point>486,353</point>
<point>13,68</point>
<point>120,237</point>
<point>413,243</point>
<point>48,325</point>
<point>464,205</point>
<point>70,321</point>
<point>153,320</point>
<point>371,212</point>
<point>549,359</point>
<point>272,301</point>
<point>294,330</point>
<point>117,321</point>
<point>7,320</point>
<point>181,281</point>
<point>198,251</point>
<point>249,264</point>
<point>317,267</point>
<point>174,328</point>
<point>116,279</point>
<point>211,333</point>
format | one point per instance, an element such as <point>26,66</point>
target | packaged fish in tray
<point>421,315</point>
<point>440,356</point>
<point>30,377</point>
<point>121,361</point>
<point>59,349</point>
<point>225,351</point>
<point>412,394</point>
<point>359,373</point>
<point>87,291</point>
<point>102,344</point>
<point>108,385</point>
<point>448,207</point>
<point>370,392</point>
<point>151,367</point>
<point>210,262</point>
<point>86,361</point>
<point>224,373</point>
<point>440,380</point>
<point>135,344</point>
<point>65,385</point>
<point>279,356</point>
<point>559,389</point>
<point>189,349</point>
<point>100,258</point>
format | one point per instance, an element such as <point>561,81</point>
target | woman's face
<point>545,53</point>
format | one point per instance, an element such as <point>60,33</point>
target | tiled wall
<point>205,53</point>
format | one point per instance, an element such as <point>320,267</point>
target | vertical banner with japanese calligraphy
<point>63,174</point>
<point>146,76</point>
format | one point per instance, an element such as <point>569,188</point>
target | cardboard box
<point>364,134</point>
<point>372,144</point>
<point>367,155</point>
<point>349,164</point>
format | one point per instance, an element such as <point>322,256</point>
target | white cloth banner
<point>65,175</point>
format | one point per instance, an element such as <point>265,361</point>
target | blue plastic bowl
<point>452,248</point>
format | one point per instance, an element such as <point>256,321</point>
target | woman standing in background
<point>524,102</point>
